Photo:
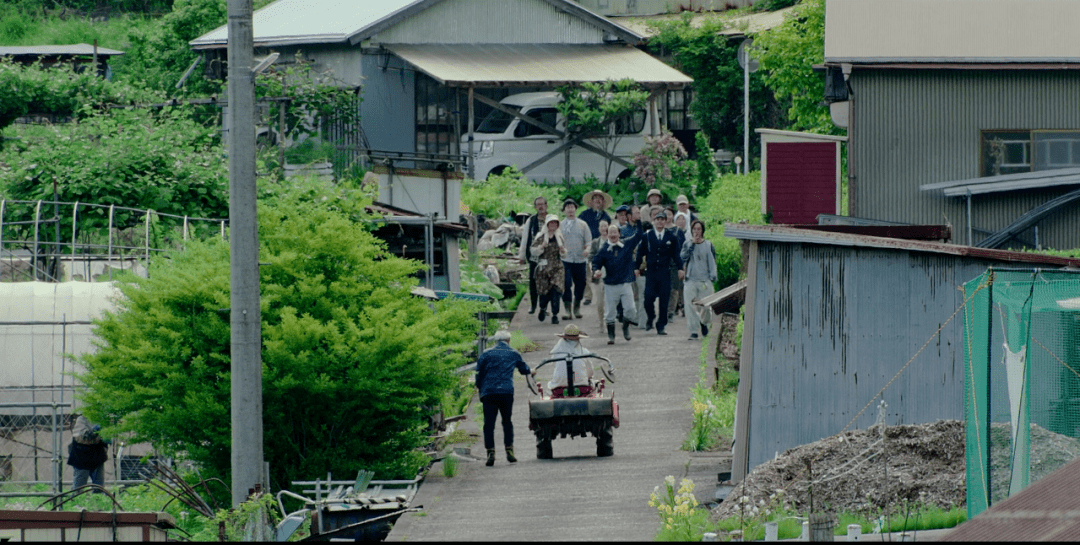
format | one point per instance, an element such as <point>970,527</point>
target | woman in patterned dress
<point>548,248</point>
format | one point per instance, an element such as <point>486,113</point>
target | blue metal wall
<point>832,325</point>
<point>388,112</point>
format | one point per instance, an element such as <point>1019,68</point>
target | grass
<point>450,466</point>
<point>17,28</point>
<point>521,343</point>
<point>713,407</point>
<point>139,498</point>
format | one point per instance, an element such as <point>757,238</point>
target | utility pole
<point>245,320</point>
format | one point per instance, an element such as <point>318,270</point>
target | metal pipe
<point>472,136</point>
<point>37,218</point>
<point>112,209</point>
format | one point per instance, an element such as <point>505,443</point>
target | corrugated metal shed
<point>56,50</point>
<point>423,21</point>
<point>975,31</point>
<point>910,128</point>
<point>525,65</point>
<point>835,322</point>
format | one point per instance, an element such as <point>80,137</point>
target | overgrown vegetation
<point>340,332</point>
<point>498,196</point>
<point>703,53</point>
<point>734,198</point>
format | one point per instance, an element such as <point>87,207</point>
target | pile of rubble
<point>868,471</point>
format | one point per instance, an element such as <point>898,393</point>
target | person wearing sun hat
<point>649,197</point>
<point>598,203</point>
<point>570,343</point>
<point>495,381</point>
<point>548,249</point>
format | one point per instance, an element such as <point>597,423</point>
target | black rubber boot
<point>611,333</point>
<point>491,457</point>
<point>626,329</point>
<point>510,455</point>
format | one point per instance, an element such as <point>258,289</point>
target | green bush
<point>157,160</point>
<point>350,359</point>
<point>500,194</point>
<point>734,198</point>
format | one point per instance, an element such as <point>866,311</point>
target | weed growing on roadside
<point>450,466</point>
<point>679,518</point>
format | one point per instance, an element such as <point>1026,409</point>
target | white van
<point>503,140</point>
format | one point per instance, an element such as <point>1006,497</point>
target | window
<point>497,121</point>
<point>547,116</point>
<point>631,124</point>
<point>678,109</point>
<point>1011,152</point>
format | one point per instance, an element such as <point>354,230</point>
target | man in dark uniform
<point>659,250</point>
<point>532,226</point>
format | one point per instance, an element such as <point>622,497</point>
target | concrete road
<point>577,496</point>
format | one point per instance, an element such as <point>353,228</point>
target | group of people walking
<point>647,260</point>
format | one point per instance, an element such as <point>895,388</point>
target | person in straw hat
<point>548,249</point>
<point>598,203</point>
<point>495,381</point>
<point>570,343</point>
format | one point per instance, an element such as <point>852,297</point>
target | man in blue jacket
<point>495,380</point>
<point>616,257</point>
<point>659,250</point>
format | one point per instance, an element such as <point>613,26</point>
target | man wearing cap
<point>616,258</point>
<point>495,380</point>
<point>570,343</point>
<point>659,252</point>
<point>599,202</point>
<point>577,236</point>
<point>532,227</point>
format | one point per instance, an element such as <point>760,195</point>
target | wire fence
<point>54,241</point>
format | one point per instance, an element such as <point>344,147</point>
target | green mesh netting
<point>1022,385</point>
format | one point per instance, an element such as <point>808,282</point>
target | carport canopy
<point>537,65</point>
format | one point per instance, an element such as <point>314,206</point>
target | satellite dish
<point>744,54</point>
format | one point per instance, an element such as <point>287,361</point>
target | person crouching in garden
<point>699,257</point>
<point>495,380</point>
<point>548,250</point>
<point>616,260</point>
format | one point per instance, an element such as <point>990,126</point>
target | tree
<point>710,57</point>
<point>602,112</point>
<point>787,54</point>
<point>350,358</point>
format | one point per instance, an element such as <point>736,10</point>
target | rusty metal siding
<point>834,324</point>
<point>913,127</point>
<point>492,22</point>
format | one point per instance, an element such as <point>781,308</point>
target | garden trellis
<point>49,240</point>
